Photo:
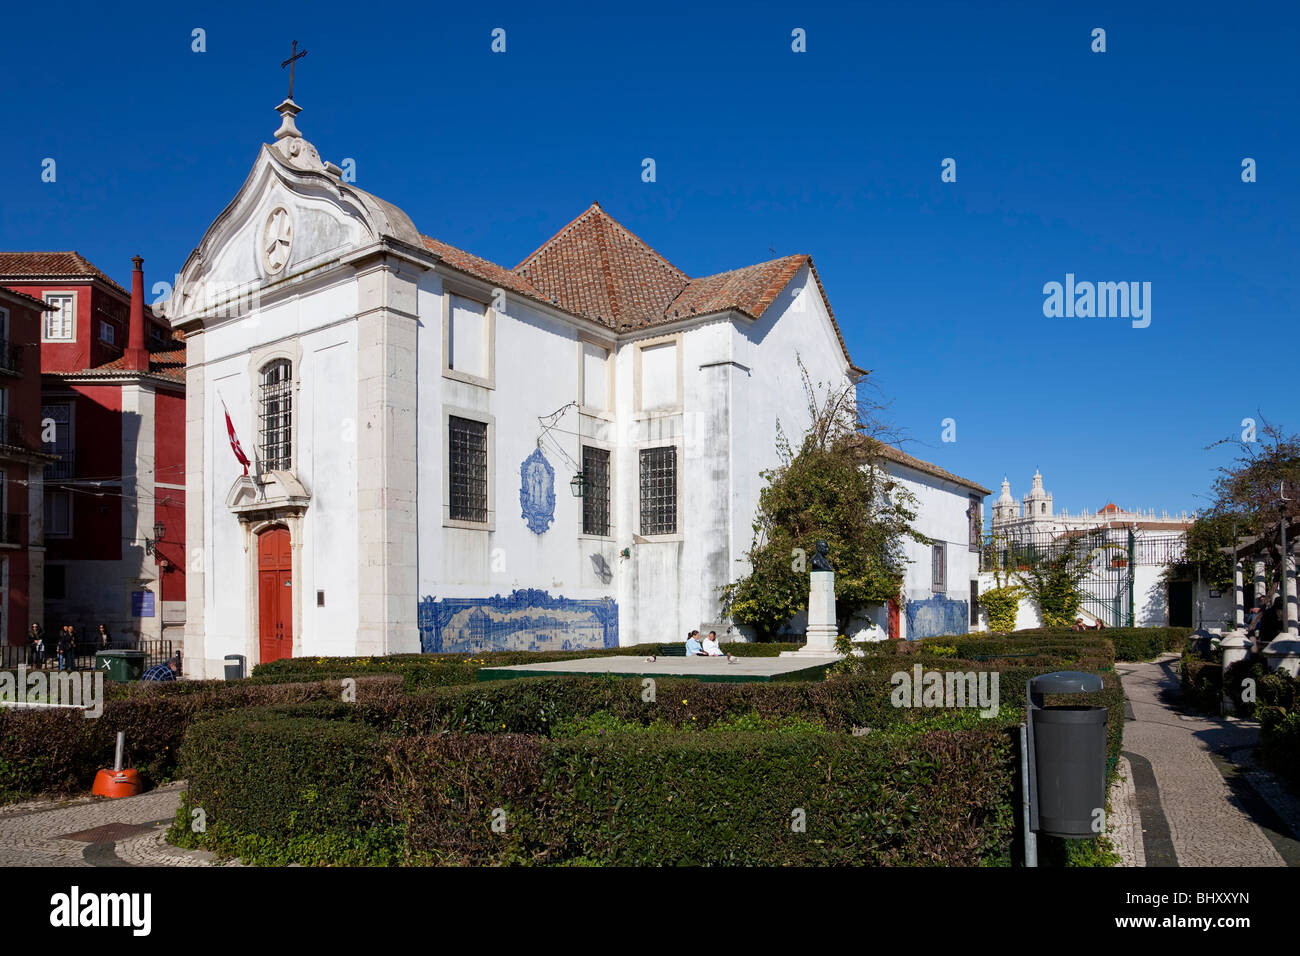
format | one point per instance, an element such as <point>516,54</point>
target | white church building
<point>418,418</point>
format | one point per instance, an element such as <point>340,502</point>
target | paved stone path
<point>93,831</point>
<point>1190,793</point>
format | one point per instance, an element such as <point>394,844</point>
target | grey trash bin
<point>1068,757</point>
<point>234,666</point>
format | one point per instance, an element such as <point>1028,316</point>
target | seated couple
<point>709,648</point>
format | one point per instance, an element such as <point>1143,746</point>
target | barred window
<point>937,569</point>
<point>467,460</point>
<point>976,524</point>
<point>595,502</point>
<point>659,490</point>
<point>275,408</point>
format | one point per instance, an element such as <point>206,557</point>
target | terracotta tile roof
<point>482,269</point>
<point>749,290</point>
<point>166,361</point>
<point>596,269</point>
<point>911,461</point>
<point>51,265</point>
<point>22,298</point>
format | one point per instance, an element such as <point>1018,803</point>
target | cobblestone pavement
<point>1124,823</point>
<point>92,831</point>
<point>1191,785</point>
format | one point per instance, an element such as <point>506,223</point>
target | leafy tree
<point>833,488</point>
<point>1249,487</point>
<point>1055,584</point>
<point>1248,501</point>
<point>1209,534</point>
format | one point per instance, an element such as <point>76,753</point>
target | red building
<point>113,411</point>
<point>22,466</point>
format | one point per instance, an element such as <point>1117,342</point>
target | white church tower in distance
<point>418,420</point>
<point>1040,517</point>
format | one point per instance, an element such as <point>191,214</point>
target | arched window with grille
<point>275,410</point>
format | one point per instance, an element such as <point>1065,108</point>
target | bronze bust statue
<point>819,561</point>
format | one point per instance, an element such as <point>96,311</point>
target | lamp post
<point>151,544</point>
<point>1197,552</point>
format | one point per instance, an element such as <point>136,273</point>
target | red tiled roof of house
<point>166,361</point>
<point>749,290</point>
<point>482,269</point>
<point>51,265</point>
<point>22,298</point>
<point>597,269</point>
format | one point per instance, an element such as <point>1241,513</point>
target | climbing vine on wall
<point>1055,585</point>
<point>1001,605</point>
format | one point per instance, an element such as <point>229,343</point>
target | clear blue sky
<point>1122,166</point>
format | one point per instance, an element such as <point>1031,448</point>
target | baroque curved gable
<point>293,215</point>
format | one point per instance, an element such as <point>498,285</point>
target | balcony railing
<point>64,468</point>
<point>11,358</point>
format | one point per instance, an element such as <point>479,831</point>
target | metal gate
<point>1108,586</point>
<point>1111,554</point>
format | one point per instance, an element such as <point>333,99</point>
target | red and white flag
<point>234,440</point>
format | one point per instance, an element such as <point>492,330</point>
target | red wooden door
<point>275,594</point>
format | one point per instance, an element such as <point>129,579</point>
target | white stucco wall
<point>942,516</point>
<point>315,328</point>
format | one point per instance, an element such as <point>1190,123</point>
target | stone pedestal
<point>1235,647</point>
<point>1283,654</point>
<point>819,639</point>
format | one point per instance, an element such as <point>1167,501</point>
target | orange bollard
<point>116,783</point>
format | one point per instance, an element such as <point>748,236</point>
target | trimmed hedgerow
<point>1078,652</point>
<point>727,796</point>
<point>562,759</point>
<point>60,752</point>
<point>284,773</point>
<point>938,798</point>
<point>1130,643</point>
<point>422,671</point>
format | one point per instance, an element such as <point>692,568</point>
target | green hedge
<point>51,752</point>
<point>1130,643</point>
<point>1064,650</point>
<point>422,671</point>
<point>923,785</point>
<point>267,781</point>
<point>533,705</point>
<point>59,752</point>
